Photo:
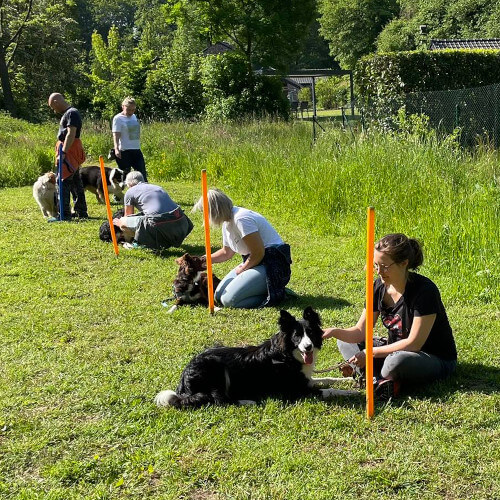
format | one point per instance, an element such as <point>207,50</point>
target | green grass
<point>86,343</point>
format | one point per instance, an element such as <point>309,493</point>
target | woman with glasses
<point>420,346</point>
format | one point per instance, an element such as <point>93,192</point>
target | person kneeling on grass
<point>160,222</point>
<point>420,347</point>
<point>261,279</point>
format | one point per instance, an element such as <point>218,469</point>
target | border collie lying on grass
<point>281,367</point>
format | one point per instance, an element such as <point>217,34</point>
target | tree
<point>45,57</point>
<point>444,19</point>
<point>352,26</point>
<point>13,19</point>
<point>264,32</point>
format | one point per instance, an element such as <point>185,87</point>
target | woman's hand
<point>359,359</point>
<point>240,269</point>
<point>329,333</point>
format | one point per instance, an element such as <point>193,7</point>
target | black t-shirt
<point>420,298</point>
<point>70,118</point>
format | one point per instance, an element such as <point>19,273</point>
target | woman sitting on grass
<point>261,279</point>
<point>420,347</point>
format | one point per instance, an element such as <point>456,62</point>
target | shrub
<point>232,91</point>
<point>383,79</point>
<point>332,92</point>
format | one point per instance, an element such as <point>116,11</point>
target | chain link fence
<point>474,111</point>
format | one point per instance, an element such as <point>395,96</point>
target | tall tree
<point>13,19</point>
<point>352,26</point>
<point>265,32</point>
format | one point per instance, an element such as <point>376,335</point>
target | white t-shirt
<point>130,131</point>
<point>243,223</point>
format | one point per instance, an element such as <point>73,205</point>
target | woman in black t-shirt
<point>420,346</point>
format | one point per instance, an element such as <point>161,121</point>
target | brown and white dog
<point>44,192</point>
<point>115,180</point>
<point>191,282</point>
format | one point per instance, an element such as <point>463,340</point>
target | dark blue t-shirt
<point>420,298</point>
<point>70,118</point>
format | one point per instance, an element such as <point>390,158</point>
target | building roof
<point>486,43</point>
<point>217,48</point>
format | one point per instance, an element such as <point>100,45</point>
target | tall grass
<point>430,189</point>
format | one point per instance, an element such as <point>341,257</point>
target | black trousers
<point>72,186</point>
<point>132,158</point>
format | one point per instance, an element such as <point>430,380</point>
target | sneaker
<point>386,389</point>
<point>128,246</point>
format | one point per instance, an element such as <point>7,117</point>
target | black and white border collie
<point>115,180</point>
<point>281,367</point>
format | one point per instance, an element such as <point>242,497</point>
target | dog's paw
<point>172,309</point>
<point>246,402</point>
<point>332,393</point>
<point>165,398</point>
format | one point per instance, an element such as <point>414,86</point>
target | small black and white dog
<point>105,230</point>
<point>280,367</point>
<point>115,180</point>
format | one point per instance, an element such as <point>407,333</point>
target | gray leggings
<point>405,366</point>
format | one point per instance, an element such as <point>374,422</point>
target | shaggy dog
<point>191,282</point>
<point>44,192</point>
<point>105,230</point>
<point>115,180</point>
<point>281,367</point>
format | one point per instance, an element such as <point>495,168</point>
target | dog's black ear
<point>286,321</point>
<point>311,316</point>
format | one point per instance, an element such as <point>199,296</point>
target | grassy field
<point>86,343</point>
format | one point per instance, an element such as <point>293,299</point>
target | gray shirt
<point>149,199</point>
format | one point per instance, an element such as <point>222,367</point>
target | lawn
<point>86,345</point>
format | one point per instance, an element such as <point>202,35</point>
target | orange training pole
<point>108,206</point>
<point>208,247</point>
<point>370,237</point>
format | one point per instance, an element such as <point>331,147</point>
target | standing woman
<point>420,347</point>
<point>261,278</point>
<point>126,139</point>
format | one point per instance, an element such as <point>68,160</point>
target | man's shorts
<point>132,221</point>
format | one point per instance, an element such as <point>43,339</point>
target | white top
<point>243,223</point>
<point>130,131</point>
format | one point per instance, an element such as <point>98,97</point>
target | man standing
<point>160,224</point>
<point>72,155</point>
<point>126,139</point>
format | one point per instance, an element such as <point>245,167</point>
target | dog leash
<point>332,368</point>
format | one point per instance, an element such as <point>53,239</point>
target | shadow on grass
<point>468,377</point>
<point>179,252</point>
<point>316,301</point>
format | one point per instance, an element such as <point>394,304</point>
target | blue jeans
<point>405,366</point>
<point>246,290</point>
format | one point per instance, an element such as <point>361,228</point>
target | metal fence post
<point>457,115</point>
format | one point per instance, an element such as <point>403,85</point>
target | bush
<point>383,79</point>
<point>232,91</point>
<point>332,92</point>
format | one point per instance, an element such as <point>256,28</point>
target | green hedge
<point>388,76</point>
